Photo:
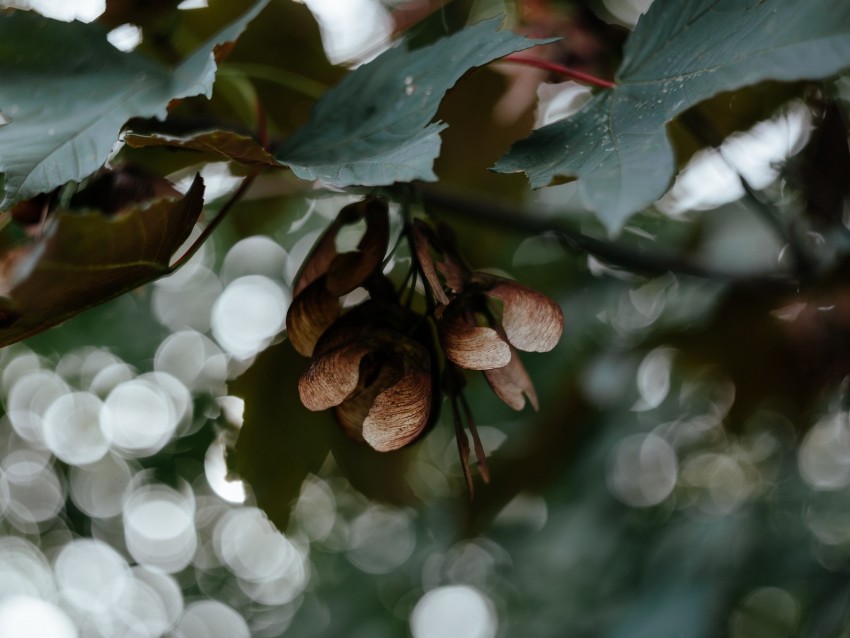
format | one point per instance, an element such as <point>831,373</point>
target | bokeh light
<point>159,523</point>
<point>454,611</point>
<point>211,619</point>
<point>249,314</point>
<point>138,418</point>
<point>25,616</point>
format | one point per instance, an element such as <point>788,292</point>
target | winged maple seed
<point>377,374</point>
<point>365,364</point>
<point>377,365</point>
<point>482,318</point>
<point>326,274</point>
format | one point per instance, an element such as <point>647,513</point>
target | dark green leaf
<point>681,52</point>
<point>224,144</point>
<point>67,92</point>
<point>374,128</point>
<point>83,259</point>
<point>280,442</point>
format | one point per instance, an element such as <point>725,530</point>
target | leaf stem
<point>210,228</point>
<point>566,71</point>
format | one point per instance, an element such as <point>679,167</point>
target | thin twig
<point>706,132</point>
<point>566,71</point>
<point>462,446</point>
<point>210,228</point>
<point>483,468</point>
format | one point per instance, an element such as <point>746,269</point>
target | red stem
<point>561,69</point>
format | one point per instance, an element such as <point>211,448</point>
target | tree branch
<point>520,220</point>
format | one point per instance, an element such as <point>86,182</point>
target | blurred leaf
<point>67,92</point>
<point>83,259</point>
<point>223,144</point>
<point>373,128</point>
<point>380,476</point>
<point>280,442</point>
<point>680,53</point>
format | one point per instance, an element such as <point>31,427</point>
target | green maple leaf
<point>681,52</point>
<point>374,127</point>
<point>66,93</point>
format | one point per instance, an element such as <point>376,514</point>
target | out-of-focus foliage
<point>688,472</point>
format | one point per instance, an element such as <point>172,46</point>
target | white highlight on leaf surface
<point>354,31</point>
<point>557,101</point>
<point>125,37</point>
<point>627,11</point>
<point>82,10</point>
<point>218,179</point>
<point>454,611</point>
<point>712,177</point>
<point>215,469</point>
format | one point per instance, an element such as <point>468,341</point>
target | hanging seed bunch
<point>382,367</point>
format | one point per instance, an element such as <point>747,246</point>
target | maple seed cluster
<point>384,367</point>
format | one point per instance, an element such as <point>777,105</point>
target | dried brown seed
<point>423,238</point>
<point>321,259</point>
<point>331,378</point>
<point>512,384</point>
<point>472,347</point>
<point>310,314</point>
<point>531,320</point>
<point>400,413</point>
<point>350,270</point>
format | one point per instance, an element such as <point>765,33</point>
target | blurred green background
<point>688,473</point>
